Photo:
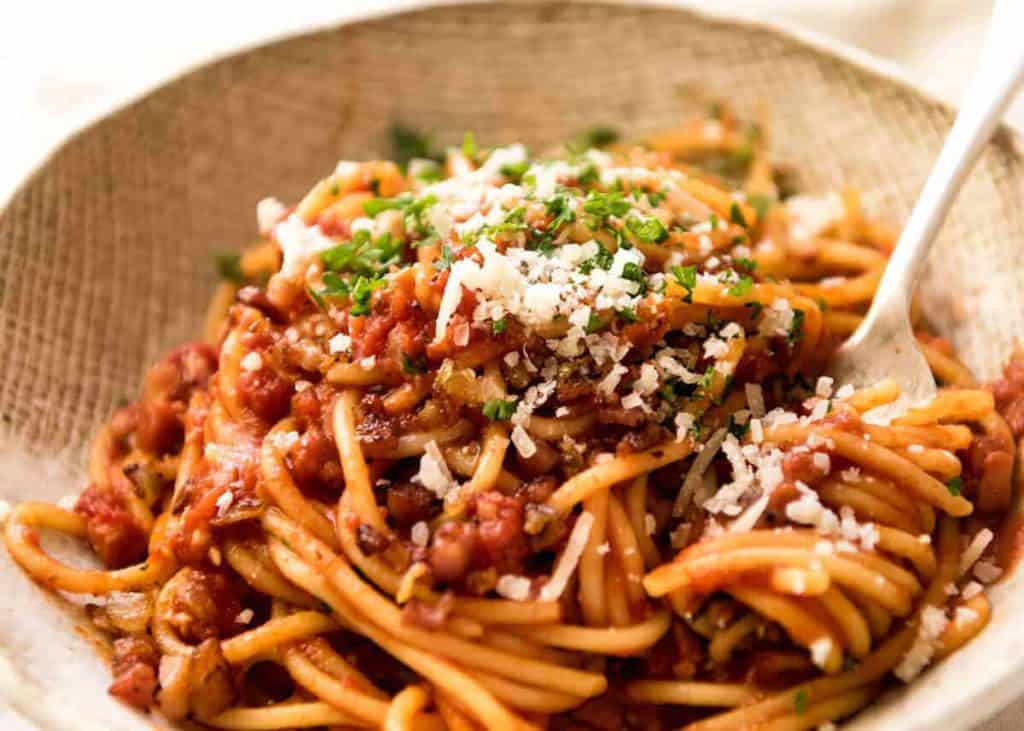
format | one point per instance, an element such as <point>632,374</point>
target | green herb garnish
<point>469,148</point>
<point>761,204</point>
<point>363,255</point>
<point>375,205</point>
<point>649,230</point>
<point>634,273</point>
<point>407,143</point>
<point>559,207</point>
<point>516,170</point>
<point>445,260</point>
<point>687,278</point>
<point>603,205</point>
<point>362,293</point>
<point>741,287</point>
<point>597,137</point>
<point>796,330</point>
<point>736,215</point>
<point>601,260</point>
<point>413,366</point>
<point>499,409</point>
<point>229,266</point>
<point>800,702</point>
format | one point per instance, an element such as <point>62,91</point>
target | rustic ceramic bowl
<point>105,250</point>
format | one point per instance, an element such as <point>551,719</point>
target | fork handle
<point>999,74</point>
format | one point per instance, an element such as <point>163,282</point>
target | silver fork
<point>884,345</point>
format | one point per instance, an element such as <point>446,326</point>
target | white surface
<point>63,62</point>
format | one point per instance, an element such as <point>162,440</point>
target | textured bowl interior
<point>105,252</point>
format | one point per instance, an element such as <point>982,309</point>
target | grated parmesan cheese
<point>933,623</point>
<point>251,361</point>
<point>419,534</point>
<point>650,524</point>
<point>340,343</point>
<point>821,648</point>
<point>223,502</point>
<point>434,473</point>
<point>513,587</point>
<point>268,212</point>
<point>975,549</point>
<point>570,558</point>
<point>987,572</point>
<point>972,590</point>
<point>524,444</point>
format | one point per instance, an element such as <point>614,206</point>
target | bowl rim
<point>999,690</point>
<point>350,14</point>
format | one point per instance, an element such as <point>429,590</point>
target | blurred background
<point>63,62</point>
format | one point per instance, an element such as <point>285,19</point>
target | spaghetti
<point>516,442</point>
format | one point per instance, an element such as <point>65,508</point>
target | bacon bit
<point>135,671</point>
<point>431,617</point>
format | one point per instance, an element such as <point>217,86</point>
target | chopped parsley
<point>601,260</point>
<point>708,378</point>
<point>741,287</point>
<point>415,212</point>
<point>597,137</point>
<point>375,205</point>
<point>515,171</point>
<point>229,266</point>
<point>541,241</point>
<point>656,198</point>
<point>760,203</point>
<point>747,264</point>
<point>736,429</point>
<point>628,314</point>
<point>603,205</point>
<point>594,323</point>
<point>736,215</point>
<point>334,286</point>
<point>755,309</point>
<point>413,366</point>
<point>796,330</point>
<point>687,278</point>
<point>407,143</point>
<point>955,486</point>
<point>315,296</point>
<point>499,326</point>
<point>634,273</point>
<point>363,255</point>
<point>499,409</point>
<point>648,230</point>
<point>675,389</point>
<point>429,172</point>
<point>559,208</point>
<point>469,148</point>
<point>588,175</point>
<point>446,258</point>
<point>362,293</point>
<point>800,701</point>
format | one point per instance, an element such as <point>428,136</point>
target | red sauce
<point>111,528</point>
